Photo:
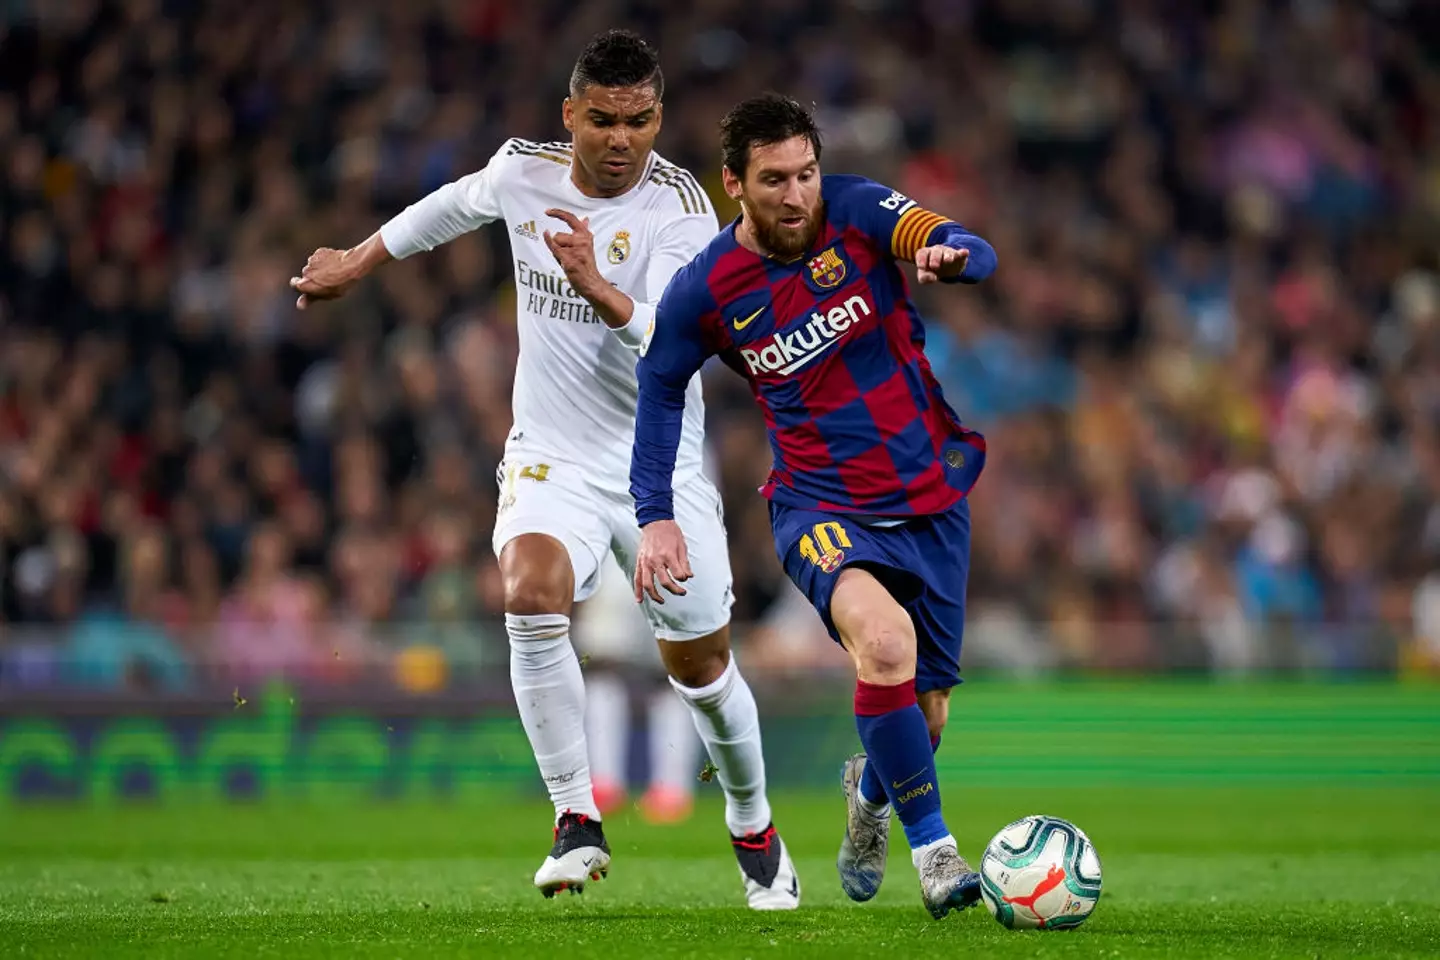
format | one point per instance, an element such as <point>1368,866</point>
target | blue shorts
<point>924,563</point>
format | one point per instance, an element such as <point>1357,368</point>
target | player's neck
<point>745,236</point>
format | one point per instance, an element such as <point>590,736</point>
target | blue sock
<point>897,748</point>
<point>870,786</point>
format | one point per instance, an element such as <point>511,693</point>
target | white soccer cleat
<point>580,854</point>
<point>771,882</point>
<point>867,839</point>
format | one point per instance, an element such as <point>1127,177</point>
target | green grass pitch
<point>1203,863</point>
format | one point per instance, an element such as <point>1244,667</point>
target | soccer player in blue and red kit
<point>802,296</point>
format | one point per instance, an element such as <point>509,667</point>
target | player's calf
<point>723,709</point>
<point>728,722</point>
<point>896,733</point>
<point>550,696</point>
<point>935,704</point>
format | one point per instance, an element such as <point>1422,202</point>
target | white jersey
<point>575,387</point>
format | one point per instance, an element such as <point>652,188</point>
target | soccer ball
<point>1040,872</point>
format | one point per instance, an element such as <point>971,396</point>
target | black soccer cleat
<point>770,879</point>
<point>580,853</point>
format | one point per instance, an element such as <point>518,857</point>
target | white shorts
<point>610,626</point>
<point>539,494</point>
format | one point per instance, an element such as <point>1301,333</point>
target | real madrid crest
<point>619,248</point>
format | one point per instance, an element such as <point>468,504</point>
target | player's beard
<point>782,241</point>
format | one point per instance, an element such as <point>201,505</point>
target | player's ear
<point>659,116</point>
<point>733,186</point>
<point>567,114</point>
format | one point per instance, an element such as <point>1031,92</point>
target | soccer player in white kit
<point>597,228</point>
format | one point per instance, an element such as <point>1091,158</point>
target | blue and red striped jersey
<point>834,351</point>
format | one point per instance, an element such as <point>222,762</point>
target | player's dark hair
<point>768,118</point>
<point>617,58</point>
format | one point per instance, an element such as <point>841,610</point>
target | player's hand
<point>575,250</point>
<point>327,275</point>
<point>662,556</point>
<point>933,264</point>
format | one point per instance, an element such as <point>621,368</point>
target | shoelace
<point>941,856</point>
<point>580,820</point>
<point>752,841</point>
<point>870,841</point>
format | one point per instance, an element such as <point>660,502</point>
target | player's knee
<point>537,577</point>
<point>697,663</point>
<point>700,672</point>
<point>884,649</point>
<point>874,628</point>
<point>530,595</point>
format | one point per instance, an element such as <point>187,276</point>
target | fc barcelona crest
<point>619,247</point>
<point>827,270</point>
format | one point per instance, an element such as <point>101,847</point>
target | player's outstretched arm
<point>953,255</point>
<point>942,250</point>
<point>330,274</point>
<point>452,210</point>
<point>671,353</point>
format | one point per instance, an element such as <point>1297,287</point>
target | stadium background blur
<point>1209,365</point>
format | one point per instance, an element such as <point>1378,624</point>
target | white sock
<point>674,748</point>
<point>880,811</point>
<point>607,727</point>
<point>729,724</point>
<point>550,694</point>
<point>919,852</point>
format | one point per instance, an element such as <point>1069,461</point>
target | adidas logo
<point>527,230</point>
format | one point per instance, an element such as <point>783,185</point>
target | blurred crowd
<point>1208,367</point>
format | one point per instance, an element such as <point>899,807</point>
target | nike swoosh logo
<point>795,887</point>
<point>902,783</point>
<point>587,861</point>
<point>742,324</point>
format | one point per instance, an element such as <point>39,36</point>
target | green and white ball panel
<point>1040,872</point>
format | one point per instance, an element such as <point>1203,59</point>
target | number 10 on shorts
<point>822,546</point>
